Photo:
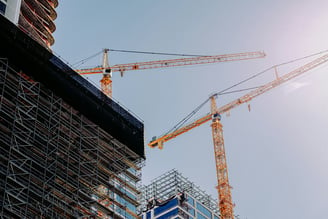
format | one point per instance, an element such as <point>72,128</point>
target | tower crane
<point>106,70</point>
<point>223,187</point>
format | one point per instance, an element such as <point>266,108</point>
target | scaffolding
<point>55,162</point>
<point>170,184</point>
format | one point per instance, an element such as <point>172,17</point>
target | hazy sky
<point>278,152</point>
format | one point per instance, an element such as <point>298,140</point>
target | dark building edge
<point>37,62</point>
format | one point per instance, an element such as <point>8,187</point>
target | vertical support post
<point>223,187</point>
<point>3,77</point>
<point>51,152</point>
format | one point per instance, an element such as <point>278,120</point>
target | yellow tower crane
<point>106,70</point>
<point>223,187</point>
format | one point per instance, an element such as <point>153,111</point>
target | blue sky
<point>278,152</point>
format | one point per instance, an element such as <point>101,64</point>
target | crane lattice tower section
<point>67,150</point>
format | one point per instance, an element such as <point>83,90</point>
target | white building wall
<point>12,10</point>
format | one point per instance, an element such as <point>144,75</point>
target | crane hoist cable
<point>186,119</point>
<point>190,115</point>
<point>81,62</point>
<point>270,68</point>
<point>156,53</point>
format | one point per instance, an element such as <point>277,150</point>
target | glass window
<point>130,194</point>
<point>166,206</point>
<point>204,210</point>
<point>125,191</point>
<point>148,215</point>
<point>127,179</point>
<point>200,216</point>
<point>2,7</point>
<point>169,214</point>
<point>191,201</point>
<point>123,213</point>
<point>191,211</point>
<point>132,170</point>
<point>216,217</point>
<point>126,203</point>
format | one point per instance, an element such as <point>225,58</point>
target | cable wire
<point>154,53</point>
<point>240,90</point>
<point>225,91</point>
<point>81,62</point>
<point>266,70</point>
<point>86,59</point>
<point>185,119</point>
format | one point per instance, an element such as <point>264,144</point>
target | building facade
<point>174,196</point>
<point>67,150</point>
<point>35,18</point>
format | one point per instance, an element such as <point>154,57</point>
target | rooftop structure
<point>174,196</point>
<point>67,150</point>
<point>34,17</point>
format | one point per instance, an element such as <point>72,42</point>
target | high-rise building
<point>34,17</point>
<point>174,196</point>
<point>67,150</point>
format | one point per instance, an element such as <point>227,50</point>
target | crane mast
<point>106,70</point>
<point>106,81</point>
<point>223,187</point>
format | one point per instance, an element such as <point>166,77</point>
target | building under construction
<point>174,196</point>
<point>34,17</point>
<point>67,150</point>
